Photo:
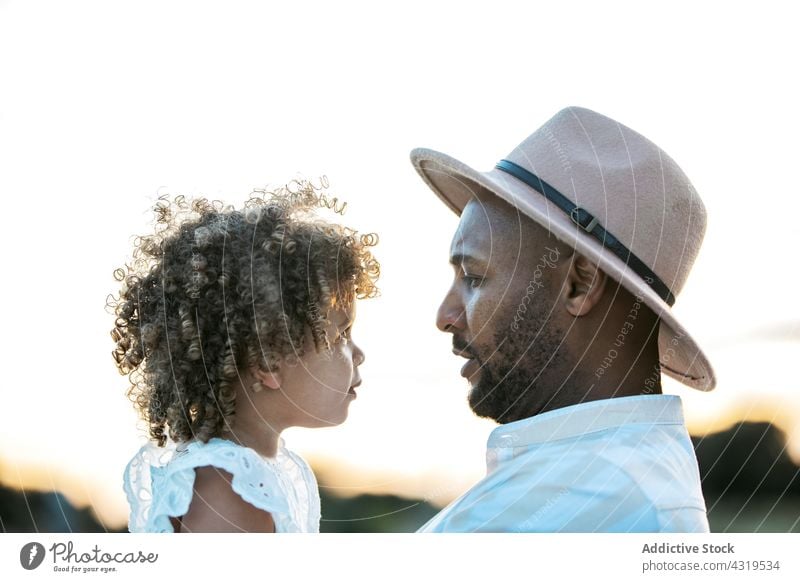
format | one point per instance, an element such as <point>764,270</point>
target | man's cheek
<point>485,326</point>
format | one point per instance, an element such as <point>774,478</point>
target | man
<point>568,257</point>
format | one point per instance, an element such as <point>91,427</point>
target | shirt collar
<point>580,419</point>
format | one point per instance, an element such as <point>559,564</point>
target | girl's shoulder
<point>159,481</point>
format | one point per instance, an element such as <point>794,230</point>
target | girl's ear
<point>270,380</point>
<point>585,286</point>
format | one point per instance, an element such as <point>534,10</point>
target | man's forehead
<point>485,221</point>
<point>474,233</point>
<point>490,226</point>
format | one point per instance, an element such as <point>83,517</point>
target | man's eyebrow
<point>459,259</point>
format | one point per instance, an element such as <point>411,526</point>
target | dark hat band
<point>590,224</point>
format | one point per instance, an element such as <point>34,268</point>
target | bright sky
<point>105,106</point>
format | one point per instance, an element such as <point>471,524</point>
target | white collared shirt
<point>617,465</point>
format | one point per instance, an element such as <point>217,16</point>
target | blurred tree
<point>749,481</point>
<point>373,513</point>
<point>44,512</point>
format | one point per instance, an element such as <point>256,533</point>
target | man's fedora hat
<point>611,194</point>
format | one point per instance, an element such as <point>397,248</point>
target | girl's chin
<point>329,420</point>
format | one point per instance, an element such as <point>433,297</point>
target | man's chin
<point>486,402</point>
<point>481,403</point>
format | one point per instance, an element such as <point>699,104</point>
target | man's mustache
<point>461,346</point>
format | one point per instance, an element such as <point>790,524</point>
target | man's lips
<point>470,368</point>
<point>462,353</point>
<point>472,364</point>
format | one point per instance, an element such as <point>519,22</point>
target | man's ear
<point>268,379</point>
<point>584,286</point>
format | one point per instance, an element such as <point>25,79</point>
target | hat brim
<point>456,184</point>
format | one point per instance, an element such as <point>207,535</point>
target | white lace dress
<point>159,483</point>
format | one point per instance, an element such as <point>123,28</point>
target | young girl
<point>232,326</point>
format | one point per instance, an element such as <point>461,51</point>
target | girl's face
<point>319,387</point>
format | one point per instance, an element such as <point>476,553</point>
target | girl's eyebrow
<point>347,322</point>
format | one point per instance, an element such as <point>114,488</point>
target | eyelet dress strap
<point>159,482</point>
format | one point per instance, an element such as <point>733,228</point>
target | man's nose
<point>450,316</point>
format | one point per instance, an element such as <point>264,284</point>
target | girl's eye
<point>345,335</point>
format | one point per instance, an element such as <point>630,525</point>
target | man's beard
<point>510,383</point>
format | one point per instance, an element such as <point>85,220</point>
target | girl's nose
<point>358,355</point>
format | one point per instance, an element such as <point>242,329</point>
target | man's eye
<point>471,281</point>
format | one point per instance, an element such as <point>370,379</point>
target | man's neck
<point>634,380</point>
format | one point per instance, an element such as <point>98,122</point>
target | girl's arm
<point>217,508</point>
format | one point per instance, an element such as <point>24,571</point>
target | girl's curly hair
<point>216,290</point>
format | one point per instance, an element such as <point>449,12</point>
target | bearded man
<point>567,259</point>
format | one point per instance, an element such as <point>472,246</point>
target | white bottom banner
<point>399,556</point>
